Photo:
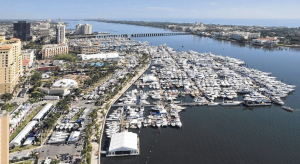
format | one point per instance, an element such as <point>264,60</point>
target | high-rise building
<point>83,29</point>
<point>22,30</point>
<point>10,63</point>
<point>49,20</point>
<point>60,33</point>
<point>4,137</point>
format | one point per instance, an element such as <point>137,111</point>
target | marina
<point>208,79</point>
<point>215,129</point>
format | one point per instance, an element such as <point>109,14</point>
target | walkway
<point>112,101</point>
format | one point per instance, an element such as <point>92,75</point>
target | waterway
<point>219,134</point>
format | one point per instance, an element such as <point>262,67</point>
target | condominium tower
<point>4,137</point>
<point>10,63</point>
<point>83,29</point>
<point>60,33</point>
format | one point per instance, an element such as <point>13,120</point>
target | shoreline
<point>164,25</point>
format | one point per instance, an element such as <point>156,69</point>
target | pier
<point>127,35</point>
<point>150,105</point>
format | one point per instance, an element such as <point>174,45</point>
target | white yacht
<point>139,124</point>
<point>156,97</point>
<point>277,100</point>
<point>158,123</point>
<point>164,122</point>
<point>178,122</point>
<point>228,103</point>
<point>142,108</point>
<point>173,123</point>
<point>213,103</point>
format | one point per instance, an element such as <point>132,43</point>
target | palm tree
<point>6,97</point>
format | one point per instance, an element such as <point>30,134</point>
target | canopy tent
<point>74,136</point>
<point>124,141</point>
<point>25,131</point>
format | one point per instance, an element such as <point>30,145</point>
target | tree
<point>54,161</point>
<point>36,95</point>
<point>6,97</point>
<point>37,76</point>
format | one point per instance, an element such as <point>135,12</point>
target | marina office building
<point>10,63</point>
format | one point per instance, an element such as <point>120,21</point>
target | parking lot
<point>67,152</point>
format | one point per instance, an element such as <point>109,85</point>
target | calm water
<point>223,134</point>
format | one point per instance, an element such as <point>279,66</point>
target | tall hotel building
<point>10,63</point>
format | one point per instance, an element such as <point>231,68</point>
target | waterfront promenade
<point>96,150</point>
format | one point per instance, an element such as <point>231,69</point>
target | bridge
<point>127,35</point>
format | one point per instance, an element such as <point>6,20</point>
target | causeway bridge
<point>127,35</point>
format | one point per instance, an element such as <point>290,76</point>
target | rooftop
<point>25,62</point>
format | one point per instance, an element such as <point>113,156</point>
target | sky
<point>150,9</point>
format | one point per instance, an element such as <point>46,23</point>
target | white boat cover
<point>124,141</point>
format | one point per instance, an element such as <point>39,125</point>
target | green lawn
<point>20,148</point>
<point>24,162</point>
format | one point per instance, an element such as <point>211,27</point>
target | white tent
<point>74,136</point>
<point>18,139</point>
<point>65,83</point>
<point>124,141</point>
<point>43,111</point>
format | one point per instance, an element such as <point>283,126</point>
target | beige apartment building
<point>50,50</point>
<point>10,63</point>
<point>4,137</point>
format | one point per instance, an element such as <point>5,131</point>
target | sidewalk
<point>97,147</point>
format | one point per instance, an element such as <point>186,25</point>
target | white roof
<point>17,140</point>
<point>74,136</point>
<point>41,113</point>
<point>28,141</point>
<point>149,78</point>
<point>64,83</point>
<point>99,56</point>
<point>124,141</point>
<point>15,119</point>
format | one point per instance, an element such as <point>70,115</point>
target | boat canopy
<point>124,141</point>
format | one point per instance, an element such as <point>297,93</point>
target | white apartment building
<point>28,55</point>
<point>60,33</point>
<point>83,29</point>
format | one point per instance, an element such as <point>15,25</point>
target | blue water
<point>221,135</point>
<point>111,28</point>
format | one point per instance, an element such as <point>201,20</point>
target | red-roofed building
<point>25,63</point>
<point>268,41</point>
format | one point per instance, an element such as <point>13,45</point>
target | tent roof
<point>17,140</point>
<point>124,141</point>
